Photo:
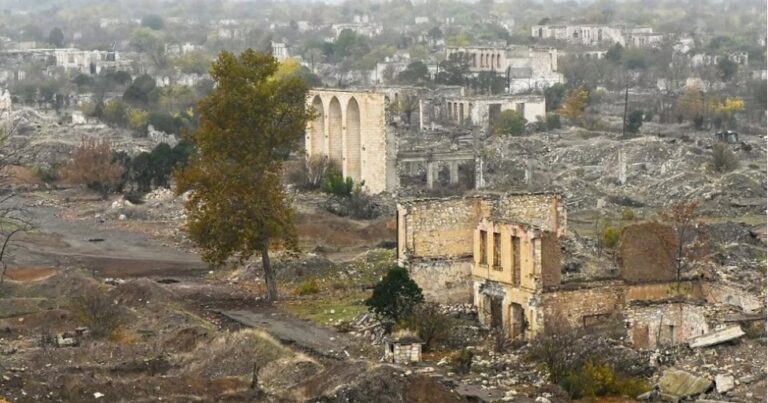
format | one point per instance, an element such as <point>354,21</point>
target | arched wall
<point>353,141</point>
<point>316,140</point>
<point>335,137</point>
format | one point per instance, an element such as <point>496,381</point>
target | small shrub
<point>395,296</point>
<point>594,123</point>
<point>97,311</point>
<point>431,324</point>
<point>634,121</point>
<point>46,175</point>
<point>753,166</point>
<point>698,122</point>
<point>593,380</point>
<point>308,287</point>
<point>360,205</point>
<point>627,215</point>
<point>337,185</point>
<point>462,361</point>
<point>553,121</point>
<point>610,237</point>
<point>311,172</point>
<point>723,159</point>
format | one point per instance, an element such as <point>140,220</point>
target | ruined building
<point>596,34</point>
<point>503,252</point>
<point>351,128</point>
<point>526,68</point>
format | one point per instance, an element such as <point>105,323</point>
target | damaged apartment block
<point>503,252</point>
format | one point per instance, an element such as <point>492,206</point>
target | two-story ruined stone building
<point>503,252</point>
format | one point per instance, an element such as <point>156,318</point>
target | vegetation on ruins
<point>430,323</point>
<point>691,243</point>
<point>723,159</point>
<point>336,184</point>
<point>575,103</point>
<point>509,123</point>
<point>395,296</point>
<point>582,363</point>
<point>239,206</point>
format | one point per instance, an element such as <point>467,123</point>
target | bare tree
<point>690,238</point>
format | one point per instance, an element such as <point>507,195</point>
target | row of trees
<point>95,164</point>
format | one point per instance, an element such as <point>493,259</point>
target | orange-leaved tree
<point>575,103</point>
<point>238,206</point>
<point>93,164</point>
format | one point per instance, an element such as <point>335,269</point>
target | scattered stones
<point>724,383</point>
<point>681,384</point>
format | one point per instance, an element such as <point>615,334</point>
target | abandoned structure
<point>86,61</point>
<point>593,35</point>
<point>481,111</point>
<point>504,253</point>
<point>526,68</point>
<point>435,236</point>
<point>352,129</point>
<point>403,347</point>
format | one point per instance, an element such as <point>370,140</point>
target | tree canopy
<point>238,206</point>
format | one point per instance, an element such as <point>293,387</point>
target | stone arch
<point>353,141</point>
<point>600,35</point>
<point>498,60</point>
<point>316,140</point>
<point>461,113</point>
<point>541,32</point>
<point>335,144</point>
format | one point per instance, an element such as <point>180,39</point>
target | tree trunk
<point>269,273</point>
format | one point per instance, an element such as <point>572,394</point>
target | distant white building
<point>86,61</point>
<point>364,29</point>
<point>705,59</point>
<point>526,67</point>
<point>280,51</point>
<point>594,34</point>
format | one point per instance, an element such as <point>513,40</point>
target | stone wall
<point>443,281</point>
<point>444,228</point>
<point>647,252</point>
<point>550,259</point>
<point>664,324</point>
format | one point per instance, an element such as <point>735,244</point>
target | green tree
<point>162,164</point>
<point>116,113</point>
<point>141,92</point>
<point>615,53</point>
<point>509,123</point>
<point>56,37</point>
<point>415,73</point>
<point>239,206</point>
<point>553,96</point>
<point>727,68</point>
<point>635,121</point>
<point>395,296</point>
<point>141,171</point>
<point>153,21</point>
<point>454,71</point>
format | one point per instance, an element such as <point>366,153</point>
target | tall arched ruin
<point>350,128</point>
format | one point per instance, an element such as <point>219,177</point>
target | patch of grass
<point>754,219</point>
<point>308,287</point>
<point>328,309</point>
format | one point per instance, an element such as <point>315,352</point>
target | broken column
<point>454,172</point>
<point>622,167</point>
<point>431,170</point>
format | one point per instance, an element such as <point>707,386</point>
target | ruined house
<point>503,252</point>
<point>435,236</point>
